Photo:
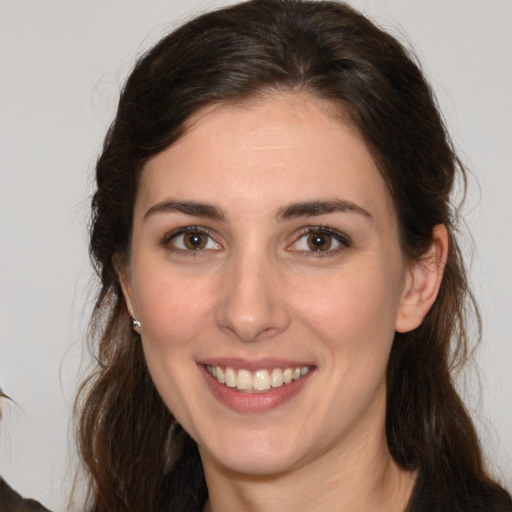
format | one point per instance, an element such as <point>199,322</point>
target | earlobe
<point>423,281</point>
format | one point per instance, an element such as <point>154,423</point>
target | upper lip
<point>253,364</point>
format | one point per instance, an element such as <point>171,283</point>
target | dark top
<point>470,496</point>
<point>474,499</point>
<point>11,501</point>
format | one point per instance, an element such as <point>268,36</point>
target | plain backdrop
<point>62,64</point>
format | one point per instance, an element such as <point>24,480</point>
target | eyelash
<point>168,238</point>
<point>342,238</point>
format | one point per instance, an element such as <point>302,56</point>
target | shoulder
<point>11,501</point>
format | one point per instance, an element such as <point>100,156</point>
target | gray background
<point>61,66</point>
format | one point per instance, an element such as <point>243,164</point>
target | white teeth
<point>219,375</point>
<point>230,378</point>
<point>261,380</point>
<point>258,381</point>
<point>244,380</point>
<point>276,378</point>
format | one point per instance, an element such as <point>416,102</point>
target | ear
<point>123,274</point>
<point>422,282</point>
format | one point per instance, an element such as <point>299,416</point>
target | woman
<point>283,297</point>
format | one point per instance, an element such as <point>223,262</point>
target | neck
<point>365,477</point>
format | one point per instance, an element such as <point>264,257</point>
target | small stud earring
<point>135,323</point>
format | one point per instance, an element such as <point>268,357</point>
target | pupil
<point>195,241</point>
<point>319,242</point>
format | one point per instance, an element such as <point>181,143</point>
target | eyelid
<point>342,238</point>
<point>168,237</point>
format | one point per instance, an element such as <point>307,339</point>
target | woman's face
<point>265,251</point>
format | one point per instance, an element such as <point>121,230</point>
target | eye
<point>191,239</point>
<point>320,239</point>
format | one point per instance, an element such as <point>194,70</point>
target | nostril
<point>249,330</point>
<point>251,306</point>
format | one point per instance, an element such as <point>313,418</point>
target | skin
<point>257,290</point>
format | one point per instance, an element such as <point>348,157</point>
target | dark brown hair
<point>137,457</point>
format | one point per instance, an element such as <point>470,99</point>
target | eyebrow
<point>193,208</point>
<point>316,208</point>
<point>302,209</point>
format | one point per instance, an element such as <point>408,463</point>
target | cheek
<point>173,312</point>
<point>173,308</point>
<point>354,322</point>
<point>354,317</point>
<point>356,301</point>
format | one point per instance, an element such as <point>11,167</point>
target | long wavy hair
<point>136,455</point>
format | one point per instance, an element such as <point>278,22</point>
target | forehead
<point>276,149</point>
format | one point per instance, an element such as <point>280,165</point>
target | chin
<point>254,454</point>
<point>258,464</point>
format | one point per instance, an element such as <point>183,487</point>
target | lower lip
<point>253,402</point>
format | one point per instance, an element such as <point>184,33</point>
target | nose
<point>252,304</point>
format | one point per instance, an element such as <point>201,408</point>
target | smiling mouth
<point>259,381</point>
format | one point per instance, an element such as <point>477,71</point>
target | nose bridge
<point>251,305</point>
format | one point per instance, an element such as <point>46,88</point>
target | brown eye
<point>319,241</point>
<point>191,239</point>
<point>195,240</point>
